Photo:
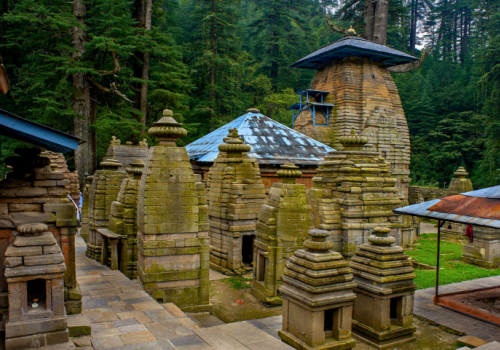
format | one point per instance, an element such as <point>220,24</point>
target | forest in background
<point>99,68</point>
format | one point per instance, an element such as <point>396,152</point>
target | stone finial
<point>136,167</point>
<point>35,229</point>
<point>144,142</point>
<point>353,141</point>
<point>129,143</point>
<point>110,164</point>
<point>167,129</point>
<point>461,173</point>
<point>115,141</point>
<point>289,172</point>
<point>381,237</point>
<point>318,243</point>
<point>351,32</point>
<point>234,143</point>
<point>253,110</point>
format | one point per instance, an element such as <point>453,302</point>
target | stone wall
<point>32,193</point>
<point>172,223</point>
<point>235,195</point>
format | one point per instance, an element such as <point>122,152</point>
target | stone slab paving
<point>424,308</point>
<point>124,317</point>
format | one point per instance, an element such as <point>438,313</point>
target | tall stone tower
<point>172,223</point>
<point>352,74</point>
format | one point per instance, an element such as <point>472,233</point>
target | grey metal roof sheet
<point>422,209</point>
<point>271,142</point>
<point>357,47</point>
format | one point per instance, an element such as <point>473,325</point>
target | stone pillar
<point>353,193</point>
<point>123,218</point>
<point>484,251</point>
<point>235,195</point>
<point>84,230</point>
<point>383,311</point>
<point>34,271</point>
<point>32,193</point>
<point>105,187</point>
<point>317,297</point>
<point>172,223</point>
<point>284,221</point>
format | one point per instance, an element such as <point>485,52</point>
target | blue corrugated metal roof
<point>271,142</point>
<point>357,47</point>
<point>36,134</point>
<point>422,209</point>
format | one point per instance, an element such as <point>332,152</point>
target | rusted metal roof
<point>480,207</point>
<point>356,47</point>
<point>271,142</point>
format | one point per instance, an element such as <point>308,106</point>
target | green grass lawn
<point>453,270</point>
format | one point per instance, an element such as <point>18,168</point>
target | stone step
<point>471,341</point>
<point>490,346</point>
<point>204,319</point>
<point>79,325</point>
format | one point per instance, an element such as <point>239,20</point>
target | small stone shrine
<point>58,163</point>
<point>284,221</point>
<point>484,251</point>
<point>172,223</point>
<point>34,269</point>
<point>84,222</point>
<point>127,153</point>
<point>105,187</point>
<point>318,297</point>
<point>123,218</point>
<point>32,193</point>
<point>383,311</point>
<point>235,195</point>
<point>355,192</point>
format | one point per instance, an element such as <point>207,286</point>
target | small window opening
<point>247,249</point>
<point>374,76</point>
<point>394,309</point>
<point>261,267</point>
<point>159,300</point>
<point>328,320</point>
<point>384,154</point>
<point>37,294</point>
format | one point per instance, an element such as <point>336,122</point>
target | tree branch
<point>334,27</point>
<point>403,68</point>
<point>117,66</point>
<point>112,90</point>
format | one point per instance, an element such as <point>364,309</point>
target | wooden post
<point>436,296</point>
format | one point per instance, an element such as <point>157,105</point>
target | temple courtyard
<point>122,316</point>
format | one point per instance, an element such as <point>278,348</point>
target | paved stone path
<point>425,308</point>
<point>124,317</point>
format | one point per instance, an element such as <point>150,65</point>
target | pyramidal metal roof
<point>356,47</point>
<point>271,142</point>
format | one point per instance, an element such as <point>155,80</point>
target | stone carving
<point>317,297</point>
<point>123,218</point>
<point>104,190</point>
<point>172,223</point>
<point>284,221</point>
<point>115,141</point>
<point>355,192</point>
<point>383,311</point>
<point>35,276</point>
<point>235,195</point>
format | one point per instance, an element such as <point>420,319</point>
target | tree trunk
<point>381,14</point>
<point>465,35</point>
<point>275,53</point>
<point>145,67</point>
<point>413,26</point>
<point>213,49</point>
<point>369,18</point>
<point>86,154</point>
<point>455,36</point>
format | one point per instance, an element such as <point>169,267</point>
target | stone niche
<point>127,153</point>
<point>484,251</point>
<point>35,278</point>
<point>284,221</point>
<point>353,193</point>
<point>383,310</point>
<point>104,191</point>
<point>84,229</point>
<point>317,297</point>
<point>235,196</point>
<point>172,223</point>
<point>123,219</point>
<point>32,193</point>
